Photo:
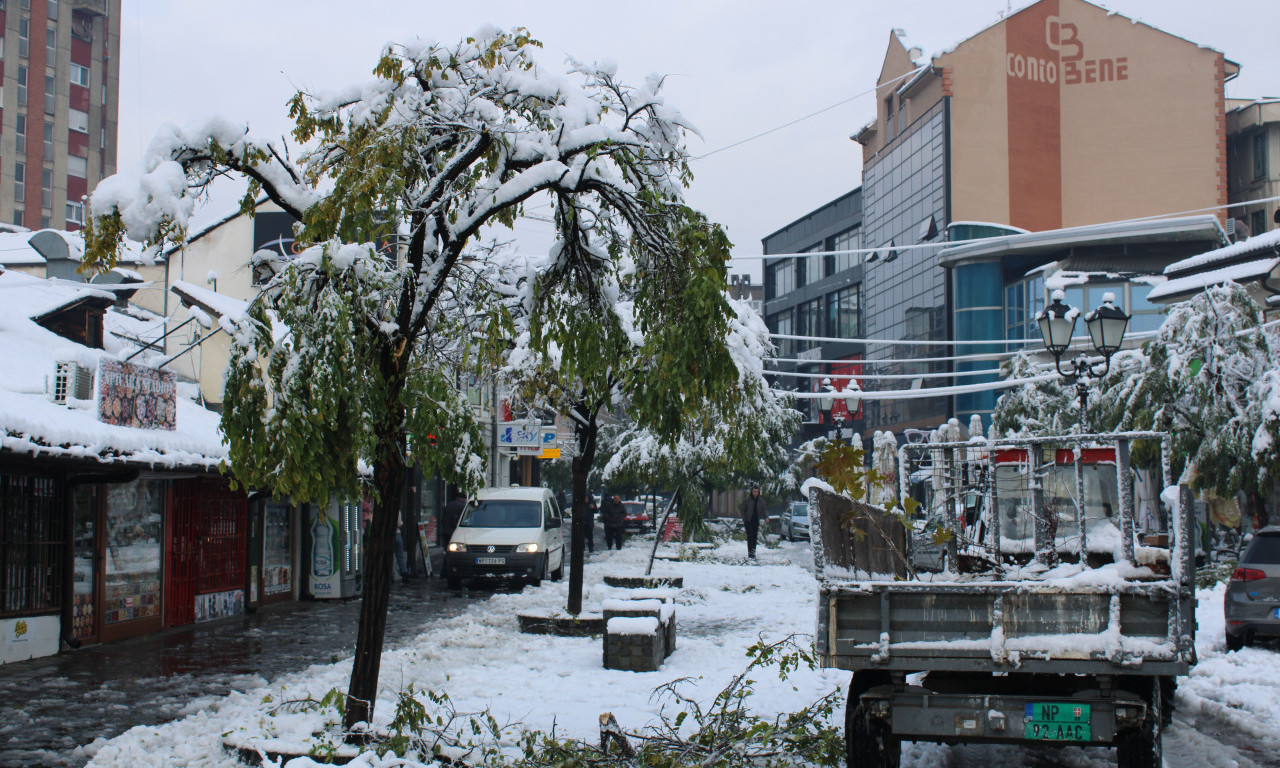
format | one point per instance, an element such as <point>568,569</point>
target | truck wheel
<point>868,743</point>
<point>1143,748</point>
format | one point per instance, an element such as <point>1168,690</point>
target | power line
<point>917,394</point>
<point>790,123</point>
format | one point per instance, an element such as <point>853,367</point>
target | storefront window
<point>86,548</point>
<point>131,571</point>
<point>277,550</point>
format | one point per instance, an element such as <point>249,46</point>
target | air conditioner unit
<point>73,380</point>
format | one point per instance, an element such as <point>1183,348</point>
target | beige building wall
<point>1063,115</point>
<point>224,250</point>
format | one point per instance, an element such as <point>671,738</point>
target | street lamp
<point>1106,326</point>
<point>852,397</point>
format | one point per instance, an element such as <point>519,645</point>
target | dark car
<point>1252,604</point>
<point>637,516</point>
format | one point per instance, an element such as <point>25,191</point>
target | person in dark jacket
<point>450,516</point>
<point>753,512</point>
<point>591,523</point>
<point>613,514</point>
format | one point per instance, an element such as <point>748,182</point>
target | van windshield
<point>502,513</point>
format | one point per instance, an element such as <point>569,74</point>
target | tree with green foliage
<point>354,345</point>
<point>726,441</point>
<point>652,342</point>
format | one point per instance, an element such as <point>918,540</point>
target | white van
<point>507,533</point>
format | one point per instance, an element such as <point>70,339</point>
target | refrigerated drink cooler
<point>336,562</point>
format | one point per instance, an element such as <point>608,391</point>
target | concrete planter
<point>644,582</point>
<point>584,625</point>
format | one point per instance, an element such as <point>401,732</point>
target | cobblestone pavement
<point>51,707</point>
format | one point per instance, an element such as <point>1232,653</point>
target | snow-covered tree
<point>728,440</point>
<point>349,350</point>
<point>586,346</point>
<point>1204,379</point>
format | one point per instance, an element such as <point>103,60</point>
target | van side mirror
<point>553,523</point>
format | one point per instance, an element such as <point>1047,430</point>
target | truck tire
<point>1143,748</point>
<point>868,743</point>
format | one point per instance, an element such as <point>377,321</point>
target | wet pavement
<point>51,707</point>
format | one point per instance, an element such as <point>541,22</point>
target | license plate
<point>1057,721</point>
<point>491,561</point>
<point>1275,613</point>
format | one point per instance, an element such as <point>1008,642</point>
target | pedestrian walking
<point>591,522</point>
<point>402,560</point>
<point>753,512</point>
<point>613,514</point>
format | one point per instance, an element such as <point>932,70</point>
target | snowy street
<point>1226,708</point>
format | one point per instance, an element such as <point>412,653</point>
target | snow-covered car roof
<point>32,423</point>
<point>527,493</point>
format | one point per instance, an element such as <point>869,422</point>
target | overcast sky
<point>736,68</point>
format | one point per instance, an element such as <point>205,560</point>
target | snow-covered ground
<point>481,661</point>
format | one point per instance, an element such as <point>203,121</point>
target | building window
<point>78,120</point>
<point>50,88</point>
<point>807,266</point>
<point>19,182</point>
<point>53,10</point>
<point>81,25</point>
<point>46,189</point>
<point>1257,223</point>
<point>45,222</point>
<point>48,141</point>
<point>782,279</point>
<point>78,167</point>
<point>889,131</point>
<point>31,544</point>
<point>847,240</point>
<point>51,43</point>
<point>79,75</point>
<point>103,143</point>
<point>810,322</point>
<point>1259,156</point>
<point>783,324</point>
<point>844,313</point>
<point>22,86</point>
<point>24,37</point>
<point>75,213</point>
<point>17,217</point>
<point>20,133</point>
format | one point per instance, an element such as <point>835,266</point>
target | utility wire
<point>790,123</point>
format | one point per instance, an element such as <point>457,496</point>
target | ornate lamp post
<point>1106,326</point>
<point>852,397</point>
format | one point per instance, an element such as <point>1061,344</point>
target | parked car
<point>1252,603</point>
<point>507,533</point>
<point>638,517</point>
<point>795,521</point>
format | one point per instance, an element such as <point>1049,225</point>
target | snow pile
<point>480,660</point>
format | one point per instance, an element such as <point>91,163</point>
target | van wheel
<point>536,581</point>
<point>558,573</point>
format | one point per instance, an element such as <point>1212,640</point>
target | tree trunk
<point>581,470</point>
<point>388,479</point>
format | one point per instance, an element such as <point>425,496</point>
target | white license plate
<point>491,561</point>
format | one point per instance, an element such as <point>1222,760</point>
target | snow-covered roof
<point>32,424</point>
<point>1253,246</point>
<point>1181,287</point>
<point>20,248</point>
<point>1180,229</point>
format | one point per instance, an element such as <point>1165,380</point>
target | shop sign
<point>28,638</point>
<point>136,396</point>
